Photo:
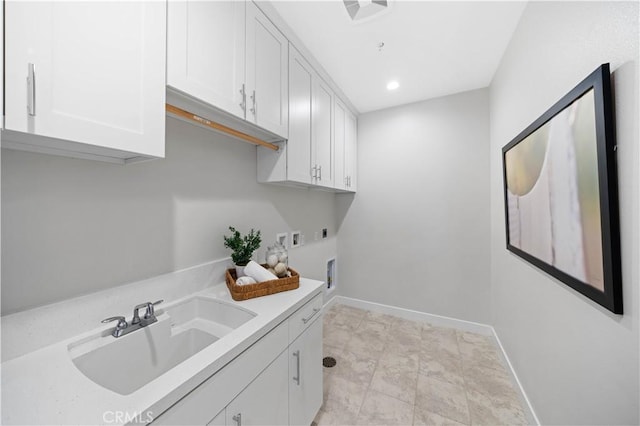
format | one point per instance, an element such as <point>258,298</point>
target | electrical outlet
<point>282,239</point>
<point>296,239</point>
<point>315,236</point>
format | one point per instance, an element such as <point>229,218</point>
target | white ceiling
<point>431,48</point>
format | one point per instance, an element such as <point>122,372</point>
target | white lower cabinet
<point>263,401</point>
<point>305,363</point>
<point>276,381</point>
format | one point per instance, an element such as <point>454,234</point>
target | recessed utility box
<point>331,274</point>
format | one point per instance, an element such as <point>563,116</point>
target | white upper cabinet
<point>322,108</point>
<point>340,111</point>
<point>307,157</point>
<point>206,45</point>
<point>229,56</point>
<point>266,73</point>
<point>350,151</point>
<point>86,79</point>
<point>298,147</point>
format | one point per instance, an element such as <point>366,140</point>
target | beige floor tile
<point>365,342</point>
<point>480,355</point>
<point>406,326</point>
<point>357,368</point>
<point>442,366</point>
<point>486,410</point>
<point>380,409</point>
<point>395,383</point>
<point>334,413</point>
<point>349,394</point>
<point>401,339</point>
<point>377,329</point>
<point>405,362</point>
<point>493,382</point>
<point>347,320</point>
<point>442,398</point>
<point>426,418</point>
<point>336,336</point>
<point>439,339</point>
<point>381,318</point>
<point>386,364</point>
<point>328,350</point>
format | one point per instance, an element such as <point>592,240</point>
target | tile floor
<point>392,371</point>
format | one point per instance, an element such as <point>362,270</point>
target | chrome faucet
<point>137,323</point>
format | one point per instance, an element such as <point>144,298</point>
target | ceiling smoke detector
<point>365,9</point>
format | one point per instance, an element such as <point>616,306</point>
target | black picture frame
<point>561,193</point>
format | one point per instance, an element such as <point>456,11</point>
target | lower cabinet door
<point>264,401</point>
<point>305,375</point>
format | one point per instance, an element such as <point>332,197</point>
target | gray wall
<point>71,227</point>
<point>416,234</point>
<point>577,361</point>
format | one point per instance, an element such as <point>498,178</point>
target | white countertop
<point>43,386</point>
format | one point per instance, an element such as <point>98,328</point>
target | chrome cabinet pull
<point>243,104</point>
<point>320,168</point>
<point>238,419</point>
<point>31,90</point>
<point>314,172</point>
<point>297,376</point>
<point>253,100</point>
<point>315,311</point>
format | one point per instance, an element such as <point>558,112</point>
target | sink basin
<point>127,363</point>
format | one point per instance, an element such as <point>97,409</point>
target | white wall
<point>71,227</point>
<point>416,233</point>
<point>577,361</point>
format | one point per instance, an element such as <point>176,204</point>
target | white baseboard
<point>409,314</point>
<point>442,321</point>
<point>529,412</point>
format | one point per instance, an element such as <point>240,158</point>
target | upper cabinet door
<point>88,72</point>
<point>339,178</point>
<point>298,167</point>
<point>322,132</point>
<point>351,151</point>
<point>266,73</point>
<point>206,52</point>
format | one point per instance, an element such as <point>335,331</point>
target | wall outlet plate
<point>296,239</point>
<point>282,239</point>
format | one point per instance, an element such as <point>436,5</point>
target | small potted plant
<point>242,248</point>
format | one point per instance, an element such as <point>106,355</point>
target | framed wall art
<point>560,192</point>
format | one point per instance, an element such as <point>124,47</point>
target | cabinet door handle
<point>297,376</point>
<point>320,169</point>
<point>243,104</point>
<point>238,419</point>
<point>315,311</point>
<point>314,172</point>
<point>31,90</point>
<point>253,100</point>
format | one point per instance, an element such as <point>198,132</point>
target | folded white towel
<point>258,273</point>
<point>245,280</point>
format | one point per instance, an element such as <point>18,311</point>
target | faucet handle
<point>122,324</point>
<point>150,313</point>
<point>120,320</point>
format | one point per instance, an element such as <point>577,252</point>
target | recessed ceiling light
<point>393,85</point>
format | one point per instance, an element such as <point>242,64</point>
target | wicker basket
<point>249,291</point>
